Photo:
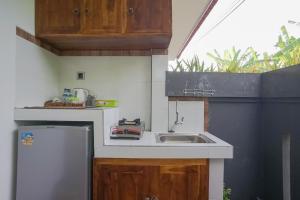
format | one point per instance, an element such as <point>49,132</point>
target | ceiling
<point>186,15</point>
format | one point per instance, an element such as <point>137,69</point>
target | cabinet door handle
<point>152,197</point>
<point>131,11</point>
<point>87,11</point>
<point>76,11</point>
<point>133,172</point>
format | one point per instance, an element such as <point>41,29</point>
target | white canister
<point>81,94</point>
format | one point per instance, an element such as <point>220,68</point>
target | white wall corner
<point>36,74</point>
<point>159,111</point>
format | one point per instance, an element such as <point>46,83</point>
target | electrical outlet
<point>80,76</point>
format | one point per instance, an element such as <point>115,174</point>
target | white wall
<point>36,74</point>
<point>25,12</point>
<point>14,13</point>
<point>191,111</point>
<point>7,86</point>
<point>159,99</point>
<point>127,79</point>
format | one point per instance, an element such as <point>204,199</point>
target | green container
<point>107,103</point>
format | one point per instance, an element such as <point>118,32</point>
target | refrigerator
<point>54,163</point>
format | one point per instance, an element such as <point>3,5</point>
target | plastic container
<point>107,103</point>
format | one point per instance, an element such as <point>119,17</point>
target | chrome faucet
<point>177,122</point>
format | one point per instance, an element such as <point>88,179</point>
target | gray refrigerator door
<point>53,163</point>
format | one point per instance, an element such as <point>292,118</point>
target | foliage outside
<point>248,61</point>
<point>226,194</point>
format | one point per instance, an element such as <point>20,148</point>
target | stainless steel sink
<point>182,138</point>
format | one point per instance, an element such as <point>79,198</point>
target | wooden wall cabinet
<point>105,24</point>
<point>57,17</point>
<point>102,17</point>
<point>132,179</point>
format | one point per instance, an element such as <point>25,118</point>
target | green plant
<point>226,193</point>
<point>178,67</point>
<point>235,60</point>
<point>192,65</point>
<point>289,49</point>
<point>249,61</point>
<point>269,63</point>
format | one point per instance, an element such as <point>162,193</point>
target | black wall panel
<point>252,112</point>
<point>237,121</point>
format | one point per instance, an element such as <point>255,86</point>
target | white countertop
<point>149,139</point>
<point>146,147</point>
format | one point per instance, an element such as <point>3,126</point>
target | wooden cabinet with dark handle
<point>146,16</point>
<point>86,11</point>
<point>151,198</point>
<point>76,11</point>
<point>130,11</point>
<point>105,24</point>
<point>103,17</point>
<point>150,179</point>
<point>57,17</point>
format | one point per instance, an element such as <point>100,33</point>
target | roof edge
<point>202,18</point>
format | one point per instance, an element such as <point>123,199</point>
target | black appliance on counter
<point>128,129</point>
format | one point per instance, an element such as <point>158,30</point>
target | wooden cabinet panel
<point>114,182</point>
<point>103,16</point>
<point>135,179</point>
<point>131,182</point>
<point>148,16</point>
<point>173,183</point>
<point>183,182</point>
<point>57,17</point>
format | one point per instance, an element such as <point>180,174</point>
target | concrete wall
<point>36,74</point>
<point>127,79</point>
<point>234,116</point>
<point>254,113</point>
<point>7,86</point>
<point>159,112</point>
<point>230,85</point>
<point>281,83</point>
<point>18,89</point>
<point>192,114</point>
<point>237,121</point>
<point>280,116</point>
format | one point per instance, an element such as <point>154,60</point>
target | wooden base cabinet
<point>150,179</point>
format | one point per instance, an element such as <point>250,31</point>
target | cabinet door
<point>103,16</point>
<point>148,16</point>
<point>150,179</point>
<point>112,182</point>
<point>183,182</point>
<point>57,16</point>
